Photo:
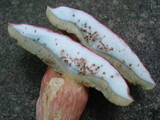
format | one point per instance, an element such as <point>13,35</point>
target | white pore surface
<point>121,50</point>
<point>56,43</point>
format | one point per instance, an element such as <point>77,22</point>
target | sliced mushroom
<point>98,37</point>
<point>73,60</point>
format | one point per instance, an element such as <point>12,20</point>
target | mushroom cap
<point>73,60</point>
<point>98,37</point>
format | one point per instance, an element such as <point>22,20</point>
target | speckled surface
<point>138,22</point>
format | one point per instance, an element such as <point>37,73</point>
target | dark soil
<point>137,21</point>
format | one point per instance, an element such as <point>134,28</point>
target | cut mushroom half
<point>60,98</point>
<point>98,37</point>
<point>73,60</point>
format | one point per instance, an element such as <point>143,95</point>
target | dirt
<point>138,22</point>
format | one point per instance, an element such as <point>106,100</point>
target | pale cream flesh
<point>77,59</point>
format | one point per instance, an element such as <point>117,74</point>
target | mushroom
<point>93,34</point>
<point>61,98</point>
<point>73,60</point>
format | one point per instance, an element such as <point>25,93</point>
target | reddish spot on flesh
<point>70,99</point>
<point>130,65</point>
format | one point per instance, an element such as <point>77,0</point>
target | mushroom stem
<point>61,98</point>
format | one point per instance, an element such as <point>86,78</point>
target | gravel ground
<point>138,22</point>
